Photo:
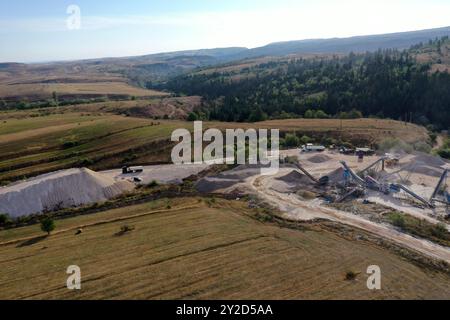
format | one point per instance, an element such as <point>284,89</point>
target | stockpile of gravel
<point>61,189</point>
<point>319,158</point>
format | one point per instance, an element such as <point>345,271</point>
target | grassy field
<point>35,145</point>
<point>40,141</point>
<point>42,91</point>
<point>196,250</point>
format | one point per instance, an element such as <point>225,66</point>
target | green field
<point>196,250</point>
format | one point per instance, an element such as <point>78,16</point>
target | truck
<point>312,148</point>
<point>129,170</point>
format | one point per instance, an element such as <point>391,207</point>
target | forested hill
<point>395,84</point>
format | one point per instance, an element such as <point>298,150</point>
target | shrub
<point>397,220</point>
<point>153,184</point>
<point>440,231</point>
<point>126,229</point>
<point>48,225</point>
<point>395,143</point>
<point>444,153</point>
<point>305,140</point>
<point>85,162</point>
<point>192,116</point>
<point>4,219</point>
<point>350,275</point>
<point>69,144</point>
<point>422,147</point>
<point>291,140</point>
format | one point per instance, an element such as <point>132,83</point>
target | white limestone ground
<point>61,189</point>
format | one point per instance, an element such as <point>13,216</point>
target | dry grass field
<point>198,250</point>
<point>42,91</point>
<point>368,130</point>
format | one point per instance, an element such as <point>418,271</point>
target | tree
<point>48,225</point>
<point>291,140</point>
<point>4,219</point>
<point>310,114</point>
<point>192,117</point>
<point>257,115</point>
<point>321,115</point>
<point>305,140</point>
<point>355,114</point>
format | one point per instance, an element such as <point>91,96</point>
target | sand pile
<point>62,189</point>
<point>319,158</point>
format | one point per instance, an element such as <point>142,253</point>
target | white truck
<point>312,148</point>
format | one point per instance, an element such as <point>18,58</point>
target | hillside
<point>197,248</point>
<point>394,84</point>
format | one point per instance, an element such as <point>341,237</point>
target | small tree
<point>4,219</point>
<point>291,140</point>
<point>192,117</point>
<point>48,225</point>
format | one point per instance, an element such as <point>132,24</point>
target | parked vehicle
<point>313,148</point>
<point>129,170</point>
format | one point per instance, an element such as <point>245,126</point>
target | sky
<point>45,30</point>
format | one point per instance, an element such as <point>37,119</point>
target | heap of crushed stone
<point>319,158</point>
<point>57,190</point>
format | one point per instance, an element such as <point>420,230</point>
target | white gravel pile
<point>61,189</point>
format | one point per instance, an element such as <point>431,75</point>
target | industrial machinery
<point>321,182</point>
<point>441,186</point>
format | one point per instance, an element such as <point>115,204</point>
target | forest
<point>384,84</point>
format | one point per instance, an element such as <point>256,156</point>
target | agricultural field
<point>40,141</point>
<point>42,91</point>
<point>198,248</point>
<point>32,146</point>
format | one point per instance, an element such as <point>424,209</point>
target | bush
<point>192,116</point>
<point>126,229</point>
<point>305,140</point>
<point>422,147</point>
<point>69,144</point>
<point>4,219</point>
<point>397,220</point>
<point>48,225</point>
<point>153,184</point>
<point>440,231</point>
<point>85,162</point>
<point>444,153</point>
<point>291,140</point>
<point>350,275</point>
<point>395,143</point>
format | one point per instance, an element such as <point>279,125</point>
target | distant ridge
<point>399,40</point>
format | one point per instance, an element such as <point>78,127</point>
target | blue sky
<point>32,31</point>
